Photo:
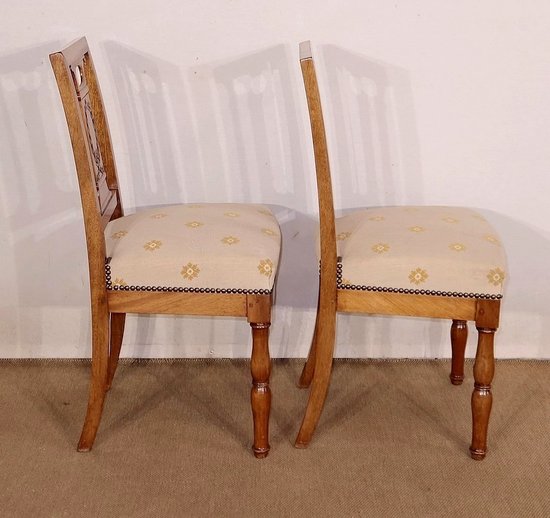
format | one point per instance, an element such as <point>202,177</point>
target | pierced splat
<point>105,197</point>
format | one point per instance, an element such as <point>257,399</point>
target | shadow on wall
<point>231,131</point>
<point>375,161</point>
<point>371,125</point>
<point>225,132</point>
<point>525,312</point>
<point>41,274</point>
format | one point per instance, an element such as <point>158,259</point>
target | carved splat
<point>81,84</point>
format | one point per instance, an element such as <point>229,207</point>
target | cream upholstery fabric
<point>445,250</point>
<point>212,247</point>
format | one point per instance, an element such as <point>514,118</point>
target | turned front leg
<point>260,367</point>
<point>459,336</point>
<point>482,398</point>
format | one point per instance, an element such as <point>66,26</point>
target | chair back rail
<point>322,167</point>
<point>90,137</point>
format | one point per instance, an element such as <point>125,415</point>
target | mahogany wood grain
<point>173,303</point>
<point>117,333</point>
<point>482,397</point>
<point>403,304</point>
<point>459,337</point>
<point>100,373</point>
<point>101,202</point>
<point>309,367</point>
<point>260,396</point>
<point>487,320</point>
<point>326,317</point>
<point>331,299</point>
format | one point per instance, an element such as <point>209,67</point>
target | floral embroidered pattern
<point>380,248</point>
<point>152,245</point>
<point>416,228</point>
<point>119,234</point>
<point>265,267</point>
<point>343,235</point>
<point>230,240</point>
<point>194,224</point>
<point>496,277</point>
<point>492,239</point>
<point>190,271</point>
<point>119,282</point>
<point>457,247</point>
<point>450,220</point>
<point>232,214</point>
<point>269,232</point>
<point>160,215</point>
<point>418,276</point>
<point>265,212</point>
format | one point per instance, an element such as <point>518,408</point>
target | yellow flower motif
<point>492,239</point>
<point>343,235</point>
<point>457,247</point>
<point>230,240</point>
<point>346,282</point>
<point>119,234</point>
<point>232,214</point>
<point>376,218</point>
<point>119,282</point>
<point>152,245</point>
<point>418,276</point>
<point>380,248</point>
<point>269,232</point>
<point>450,220</point>
<point>266,267</point>
<point>265,212</point>
<point>190,271</point>
<point>194,224</point>
<point>160,215</point>
<point>416,228</point>
<point>496,276</point>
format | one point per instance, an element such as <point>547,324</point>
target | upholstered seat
<point>450,251</point>
<point>205,247</point>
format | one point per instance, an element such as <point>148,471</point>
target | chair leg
<point>482,398</point>
<point>98,382</point>
<point>324,350</point>
<point>459,336</point>
<point>260,366</point>
<point>117,332</point>
<point>309,368</point>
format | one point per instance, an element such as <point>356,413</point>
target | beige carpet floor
<point>175,441</point>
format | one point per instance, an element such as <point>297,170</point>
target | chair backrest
<point>91,142</point>
<point>322,167</point>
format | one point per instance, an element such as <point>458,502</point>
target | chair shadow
<point>43,274</point>
<point>230,131</point>
<point>375,153</point>
<point>191,385</point>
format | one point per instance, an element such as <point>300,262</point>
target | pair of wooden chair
<point>221,260</point>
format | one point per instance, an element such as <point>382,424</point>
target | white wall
<point>427,102</point>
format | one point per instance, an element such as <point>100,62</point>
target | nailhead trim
<point>356,287</point>
<point>175,289</point>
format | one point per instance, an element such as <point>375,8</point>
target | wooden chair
<point>206,259</point>
<point>437,262</point>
